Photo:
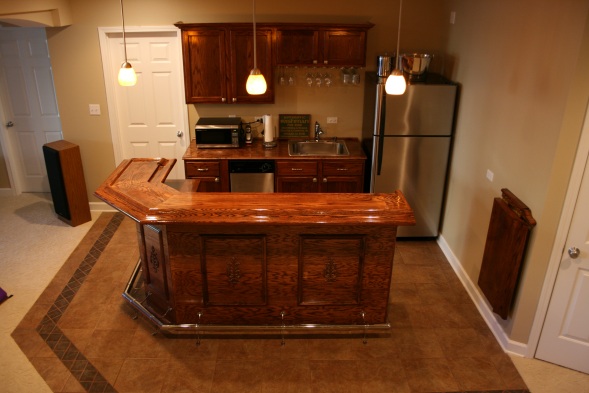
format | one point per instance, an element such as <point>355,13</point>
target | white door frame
<point>561,236</point>
<point>110,81</point>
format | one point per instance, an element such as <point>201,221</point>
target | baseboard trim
<point>101,207</point>
<point>508,345</point>
<point>6,192</point>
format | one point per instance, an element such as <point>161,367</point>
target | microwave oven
<point>218,132</point>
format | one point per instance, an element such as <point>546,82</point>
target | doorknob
<point>574,252</point>
<point>10,124</point>
<point>180,134</point>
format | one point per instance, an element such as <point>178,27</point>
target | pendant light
<point>256,84</point>
<point>127,76</point>
<point>396,83</point>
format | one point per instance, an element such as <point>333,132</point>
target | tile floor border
<point>72,358</point>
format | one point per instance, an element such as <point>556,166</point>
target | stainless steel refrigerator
<point>408,140</point>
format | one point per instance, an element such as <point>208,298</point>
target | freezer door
<point>416,166</point>
<point>422,110</point>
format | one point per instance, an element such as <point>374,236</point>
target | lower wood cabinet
<point>213,175</point>
<point>291,176</point>
<point>268,275</point>
<point>344,176</point>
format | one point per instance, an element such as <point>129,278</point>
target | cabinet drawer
<point>296,168</point>
<point>343,168</point>
<point>202,169</point>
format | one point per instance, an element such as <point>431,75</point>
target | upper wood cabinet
<point>321,44</point>
<point>218,59</point>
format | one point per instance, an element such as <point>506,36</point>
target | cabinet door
<point>297,47</point>
<point>204,65</point>
<point>297,176</point>
<point>212,175</point>
<point>296,184</point>
<point>156,272</point>
<point>342,176</point>
<point>344,48</point>
<point>345,184</point>
<point>242,62</point>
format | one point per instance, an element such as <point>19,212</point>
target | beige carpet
<point>34,244</point>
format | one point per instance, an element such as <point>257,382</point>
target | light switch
<point>490,175</point>
<point>94,109</point>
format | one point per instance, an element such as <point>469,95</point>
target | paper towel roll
<point>268,128</point>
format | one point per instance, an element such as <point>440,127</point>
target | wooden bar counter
<point>239,261</point>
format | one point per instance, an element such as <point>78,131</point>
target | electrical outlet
<point>332,120</point>
<point>94,109</point>
<point>490,175</point>
<point>452,17</point>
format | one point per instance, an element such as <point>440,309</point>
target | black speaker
<point>56,184</point>
<point>66,180</point>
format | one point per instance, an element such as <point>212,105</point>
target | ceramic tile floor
<point>80,337</point>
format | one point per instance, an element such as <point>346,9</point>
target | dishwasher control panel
<point>251,175</point>
<point>251,166</point>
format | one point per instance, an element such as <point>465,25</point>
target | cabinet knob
<point>223,99</point>
<point>325,62</point>
<point>314,61</point>
<point>217,180</point>
<point>314,180</point>
<point>234,99</point>
<point>324,180</point>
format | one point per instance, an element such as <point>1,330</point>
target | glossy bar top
<point>256,150</point>
<point>137,188</point>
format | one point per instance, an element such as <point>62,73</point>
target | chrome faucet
<point>318,131</point>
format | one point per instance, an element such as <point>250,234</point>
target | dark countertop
<point>257,151</point>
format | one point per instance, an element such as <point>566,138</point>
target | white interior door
<point>29,105</point>
<point>149,119</point>
<point>565,336</point>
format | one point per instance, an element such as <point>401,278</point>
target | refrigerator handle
<point>379,126</point>
<point>379,153</point>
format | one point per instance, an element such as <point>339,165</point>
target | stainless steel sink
<point>317,148</point>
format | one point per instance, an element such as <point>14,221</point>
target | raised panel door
<point>297,47</point>
<point>205,73</point>
<point>242,62</point>
<point>330,269</point>
<point>342,184</point>
<point>234,270</point>
<point>344,47</point>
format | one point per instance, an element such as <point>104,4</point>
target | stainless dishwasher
<point>251,175</point>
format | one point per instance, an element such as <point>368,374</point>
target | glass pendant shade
<point>395,83</point>
<point>256,84</point>
<point>127,76</point>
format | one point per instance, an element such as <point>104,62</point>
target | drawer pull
<point>202,169</point>
<point>342,169</point>
<point>296,169</point>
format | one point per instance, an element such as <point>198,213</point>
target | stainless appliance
<point>408,140</point>
<point>218,132</point>
<point>251,175</point>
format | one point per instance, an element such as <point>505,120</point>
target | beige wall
<point>524,94</point>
